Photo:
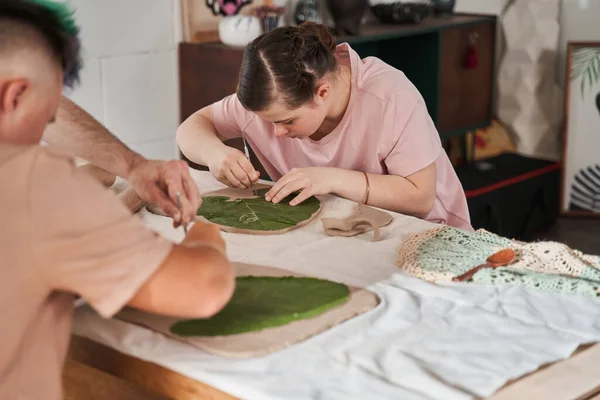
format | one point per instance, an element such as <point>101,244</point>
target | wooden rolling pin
<point>131,199</point>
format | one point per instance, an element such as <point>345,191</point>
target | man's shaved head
<point>40,27</point>
<point>39,54</point>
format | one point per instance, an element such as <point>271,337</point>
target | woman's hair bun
<point>325,36</point>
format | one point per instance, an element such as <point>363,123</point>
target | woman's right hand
<point>232,168</point>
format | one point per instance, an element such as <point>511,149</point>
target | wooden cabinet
<point>431,54</point>
<point>466,94</point>
<point>207,73</point>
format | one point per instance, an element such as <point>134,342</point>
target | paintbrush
<point>254,191</point>
<point>181,211</point>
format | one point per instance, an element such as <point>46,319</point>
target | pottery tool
<point>254,191</point>
<point>181,210</point>
<point>498,259</point>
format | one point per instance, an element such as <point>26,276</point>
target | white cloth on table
<point>424,341</point>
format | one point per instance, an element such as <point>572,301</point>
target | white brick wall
<point>129,81</point>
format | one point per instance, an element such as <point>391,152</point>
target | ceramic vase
<point>269,16</point>
<point>347,15</point>
<point>239,30</point>
<point>444,6</point>
<point>307,11</point>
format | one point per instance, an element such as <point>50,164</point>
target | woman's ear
<point>323,90</point>
<point>11,94</point>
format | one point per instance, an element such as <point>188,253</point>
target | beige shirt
<point>61,233</point>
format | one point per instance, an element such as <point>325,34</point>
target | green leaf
<point>596,68</point>
<point>585,64</point>
<point>265,302</point>
<point>257,214</point>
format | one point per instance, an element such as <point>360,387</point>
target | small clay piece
<point>498,259</point>
<point>104,177</point>
<point>364,219</point>
<point>131,199</point>
<point>241,211</point>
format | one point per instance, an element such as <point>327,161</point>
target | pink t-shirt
<point>385,130</point>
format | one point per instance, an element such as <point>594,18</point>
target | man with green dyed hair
<point>62,234</point>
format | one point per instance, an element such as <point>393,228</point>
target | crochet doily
<point>444,253</point>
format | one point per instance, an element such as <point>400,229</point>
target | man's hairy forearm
<point>78,133</point>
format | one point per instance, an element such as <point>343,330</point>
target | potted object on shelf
<point>444,7</point>
<point>402,11</point>
<point>269,16</point>
<point>239,30</point>
<point>347,15</point>
<point>307,11</point>
<point>226,8</point>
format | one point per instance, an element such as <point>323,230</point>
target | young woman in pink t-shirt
<point>322,120</point>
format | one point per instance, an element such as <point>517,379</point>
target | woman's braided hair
<point>287,62</point>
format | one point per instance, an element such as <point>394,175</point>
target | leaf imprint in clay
<point>256,214</point>
<point>261,302</point>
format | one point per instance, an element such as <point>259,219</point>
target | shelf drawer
<point>466,94</point>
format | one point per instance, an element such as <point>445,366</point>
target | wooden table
<point>576,378</point>
<point>153,377</point>
<point>573,379</point>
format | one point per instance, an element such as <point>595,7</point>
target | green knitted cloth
<point>443,253</point>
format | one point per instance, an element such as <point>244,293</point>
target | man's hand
<point>79,134</point>
<point>311,181</point>
<point>159,182</point>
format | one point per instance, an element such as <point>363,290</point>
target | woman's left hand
<point>311,181</point>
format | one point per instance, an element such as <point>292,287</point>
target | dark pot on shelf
<point>347,15</point>
<point>402,12</point>
<point>307,11</point>
<point>444,6</point>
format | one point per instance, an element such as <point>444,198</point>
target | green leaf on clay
<point>258,213</point>
<point>265,302</point>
